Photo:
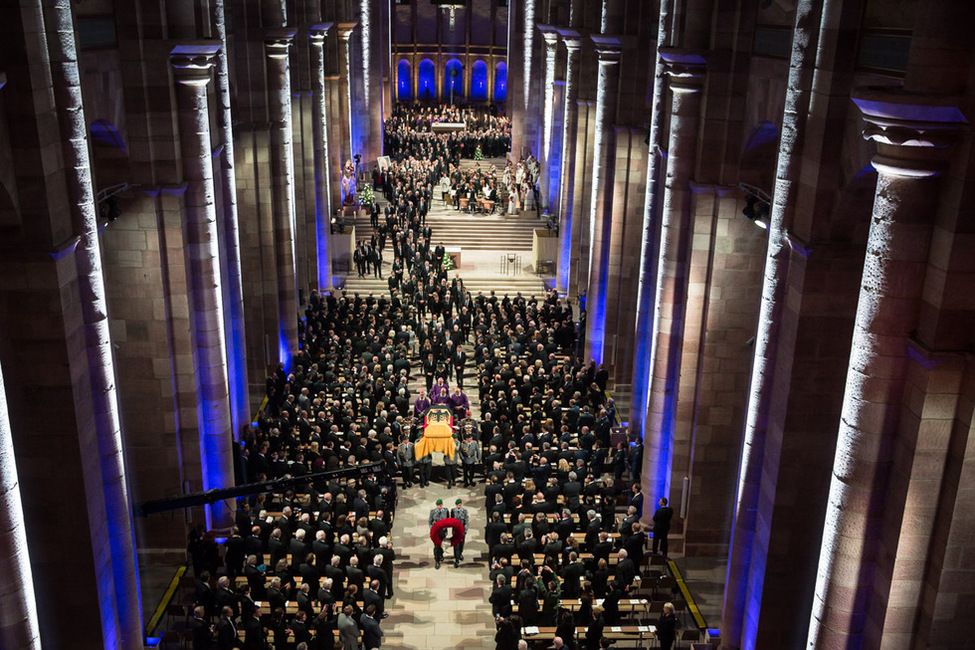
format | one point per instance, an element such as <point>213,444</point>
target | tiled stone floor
<point>445,608</point>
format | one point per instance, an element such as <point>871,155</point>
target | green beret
<point>439,502</point>
<point>457,502</point>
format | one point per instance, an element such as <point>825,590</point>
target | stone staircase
<point>483,240</point>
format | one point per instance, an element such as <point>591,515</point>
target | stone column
<point>651,226</point>
<point>323,179</point>
<point>609,49</point>
<point>18,611</point>
<point>370,28</point>
<point>277,42</point>
<point>686,74</point>
<point>740,563</point>
<point>581,197</point>
<point>548,116</point>
<point>567,242</point>
<point>911,138</point>
<point>345,70</point>
<point>230,242</point>
<point>91,284</point>
<point>191,72</point>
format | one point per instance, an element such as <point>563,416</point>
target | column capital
<point>608,48</point>
<point>191,63</point>
<point>549,33</point>
<point>911,131</point>
<point>318,32</point>
<point>277,40</point>
<point>346,29</point>
<point>572,38</point>
<point>685,68</point>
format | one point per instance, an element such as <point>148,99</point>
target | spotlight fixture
<point>109,209</point>
<point>757,204</point>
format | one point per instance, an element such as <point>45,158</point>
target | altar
<point>449,127</point>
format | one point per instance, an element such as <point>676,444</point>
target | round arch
<point>404,81</point>
<point>453,78</point>
<point>426,80</point>
<point>479,80</point>
<point>501,81</point>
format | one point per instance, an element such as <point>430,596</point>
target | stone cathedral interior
<point>710,251</point>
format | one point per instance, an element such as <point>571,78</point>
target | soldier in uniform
<point>426,469</point>
<point>459,512</point>
<point>451,463</point>
<point>436,515</point>
<point>470,453</point>
<point>406,458</point>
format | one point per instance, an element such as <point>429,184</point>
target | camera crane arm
<point>147,508</point>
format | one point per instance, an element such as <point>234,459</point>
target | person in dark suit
<point>571,575</point>
<point>501,598</point>
<point>202,631</point>
<point>371,596</point>
<point>372,636</point>
<point>254,632</point>
<point>636,499</point>
<point>226,630</point>
<point>661,526</point>
<point>234,557</point>
<point>225,596</point>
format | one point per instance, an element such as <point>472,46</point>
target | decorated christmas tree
<point>448,263</point>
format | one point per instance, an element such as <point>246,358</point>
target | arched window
<point>501,82</point>
<point>453,78</point>
<point>404,81</point>
<point>426,83</point>
<point>479,80</point>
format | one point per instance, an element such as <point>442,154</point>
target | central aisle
<point>445,608</point>
<point>448,608</point>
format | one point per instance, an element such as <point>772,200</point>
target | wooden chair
<point>666,585</point>
<point>174,611</point>
<point>168,638</point>
<point>690,635</point>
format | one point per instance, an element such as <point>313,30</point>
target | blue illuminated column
<point>686,74</point>
<point>230,242</point>
<point>573,45</point>
<point>191,72</point>
<point>747,561</point>
<point>548,114</point>
<point>651,226</point>
<point>323,190</point>
<point>911,137</point>
<point>345,72</point>
<point>277,42</point>
<point>609,49</point>
<point>119,588</point>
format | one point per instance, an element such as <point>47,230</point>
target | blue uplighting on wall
<point>426,81</point>
<point>501,82</point>
<point>284,350</point>
<point>451,81</point>
<point>404,81</point>
<point>479,80</point>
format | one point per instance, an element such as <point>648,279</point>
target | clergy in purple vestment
<point>421,404</point>
<point>439,395</point>
<point>459,403</point>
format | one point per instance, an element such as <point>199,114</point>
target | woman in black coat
<point>667,627</point>
<point>596,627</point>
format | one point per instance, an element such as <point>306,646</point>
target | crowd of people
<point>410,129</point>
<point>313,564</point>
